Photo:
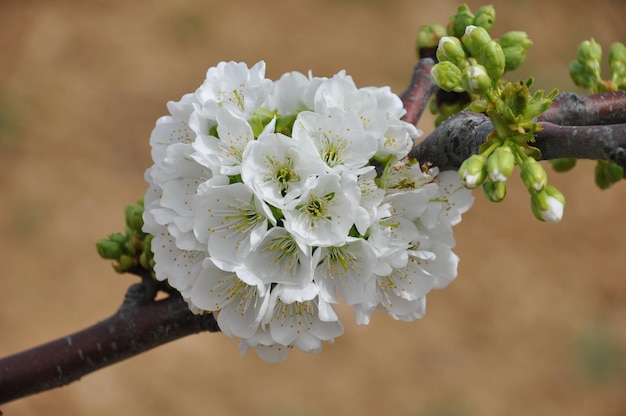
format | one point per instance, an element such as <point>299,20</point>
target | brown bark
<point>136,327</point>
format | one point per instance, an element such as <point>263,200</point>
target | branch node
<point>618,155</point>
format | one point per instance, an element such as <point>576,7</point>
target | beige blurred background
<point>535,323</point>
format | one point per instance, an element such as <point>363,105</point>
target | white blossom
<point>280,258</point>
<point>270,202</point>
<point>323,214</point>
<point>277,169</point>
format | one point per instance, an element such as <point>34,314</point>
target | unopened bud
<point>548,204</point>
<point>108,249</point>
<point>500,164</point>
<point>617,63</point>
<point>118,238</point>
<point>493,59</point>
<point>590,56</point>
<point>616,172</point>
<point>533,175</point>
<point>460,21</point>
<point>474,39</point>
<point>563,164</point>
<point>581,76</point>
<point>494,191</point>
<point>428,37</point>
<point>514,45</point>
<point>447,76</point>
<point>124,263</point>
<point>607,173</point>
<point>475,80</point>
<point>589,50</point>
<point>485,17</point>
<point>473,171</point>
<point>133,215</point>
<point>450,49</point>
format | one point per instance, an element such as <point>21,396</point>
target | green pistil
<point>247,218</point>
<point>240,99</point>
<point>332,154</point>
<point>336,255</point>
<point>283,174</point>
<point>317,208</point>
<point>284,245</point>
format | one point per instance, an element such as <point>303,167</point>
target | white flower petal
<point>323,215</point>
<point>276,169</point>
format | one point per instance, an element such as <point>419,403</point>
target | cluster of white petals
<point>272,201</point>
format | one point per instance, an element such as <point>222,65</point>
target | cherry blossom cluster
<point>270,202</point>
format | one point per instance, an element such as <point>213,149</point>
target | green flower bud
<point>617,63</point>
<point>428,37</point>
<point>118,238</point>
<point>607,173</point>
<point>493,59</point>
<point>130,247</point>
<point>462,19</point>
<point>590,56</point>
<point>589,50</point>
<point>581,76</point>
<point>450,49</point>
<point>485,17</point>
<point>616,172</point>
<point>494,191</point>
<point>133,215</point>
<point>474,39</point>
<point>124,263</point>
<point>563,164</point>
<point>548,204</point>
<point>473,171</point>
<point>514,45</point>
<point>108,249</point>
<point>533,175</point>
<point>500,164</point>
<point>447,76</point>
<point>475,80</point>
<point>601,177</point>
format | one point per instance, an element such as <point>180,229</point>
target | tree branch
<point>461,135</point>
<point>421,87</point>
<point>569,109</point>
<point>135,328</point>
<point>453,141</point>
<point>582,126</point>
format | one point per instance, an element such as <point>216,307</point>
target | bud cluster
<point>585,71</point>
<point>491,169</point>
<point>617,64</point>
<point>607,173</point>
<point>494,165</point>
<point>473,63</point>
<point>469,59</point>
<point>131,249</point>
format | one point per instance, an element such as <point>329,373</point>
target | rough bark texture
<point>461,136</point>
<point>570,109</point>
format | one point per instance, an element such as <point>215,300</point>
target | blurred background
<point>534,324</point>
